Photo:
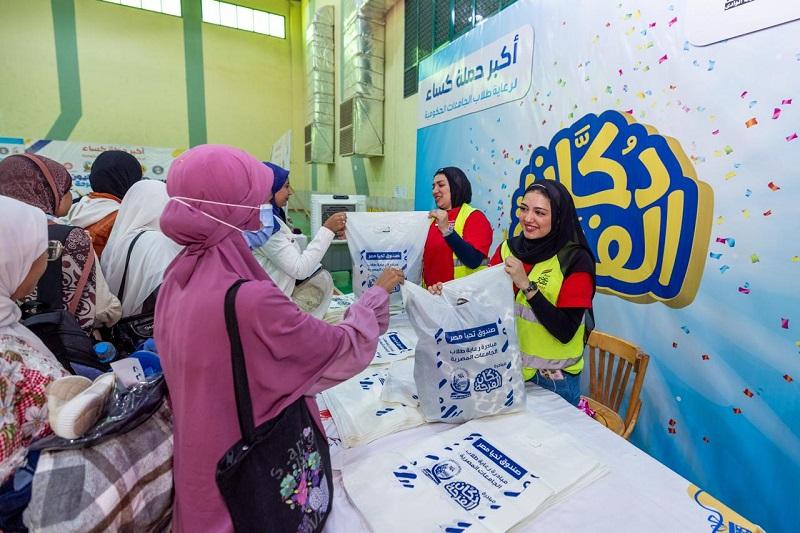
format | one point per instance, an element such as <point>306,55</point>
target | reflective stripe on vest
<point>538,347</point>
<point>459,269</point>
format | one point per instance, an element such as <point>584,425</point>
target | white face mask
<point>264,213</point>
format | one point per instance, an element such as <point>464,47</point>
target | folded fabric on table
<point>487,475</point>
<point>400,386</point>
<point>395,345</point>
<point>360,414</point>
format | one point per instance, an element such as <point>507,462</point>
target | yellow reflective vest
<point>460,269</point>
<point>538,347</point>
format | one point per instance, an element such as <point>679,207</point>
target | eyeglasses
<point>54,250</point>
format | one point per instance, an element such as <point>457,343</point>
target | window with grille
<point>434,23</point>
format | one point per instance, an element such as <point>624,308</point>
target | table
<point>639,494</point>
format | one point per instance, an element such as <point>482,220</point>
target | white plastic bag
<point>467,361</point>
<point>359,413</point>
<point>314,294</point>
<point>484,476</point>
<point>378,241</point>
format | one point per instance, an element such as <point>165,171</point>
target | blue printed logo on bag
<point>460,384</point>
<point>464,494</point>
<point>488,380</point>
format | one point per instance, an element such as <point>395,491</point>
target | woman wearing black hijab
<point>459,237</point>
<point>553,271</point>
<point>112,174</point>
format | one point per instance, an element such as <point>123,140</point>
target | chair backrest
<point>611,361</point>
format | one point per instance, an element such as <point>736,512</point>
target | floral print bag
<point>278,476</point>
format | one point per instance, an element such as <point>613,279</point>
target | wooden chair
<point>611,361</point>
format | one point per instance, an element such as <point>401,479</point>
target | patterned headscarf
<point>22,179</point>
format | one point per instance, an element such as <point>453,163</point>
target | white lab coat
<point>284,261</point>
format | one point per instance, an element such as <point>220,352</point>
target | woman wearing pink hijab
<point>216,194</point>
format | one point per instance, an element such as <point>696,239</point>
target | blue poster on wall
<point>683,162</point>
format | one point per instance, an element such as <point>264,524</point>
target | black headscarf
<point>566,231</point>
<point>460,189</point>
<point>114,172</point>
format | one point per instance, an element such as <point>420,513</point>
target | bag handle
<point>47,175</point>
<point>121,291</point>
<point>87,270</point>
<point>244,405</point>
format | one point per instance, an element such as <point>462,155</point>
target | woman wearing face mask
<point>459,237</point>
<point>216,193</point>
<point>281,256</point>
<point>553,271</point>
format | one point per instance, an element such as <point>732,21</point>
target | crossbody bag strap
<point>121,291</point>
<point>244,405</point>
<point>85,273</point>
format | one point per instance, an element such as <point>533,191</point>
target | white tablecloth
<point>639,494</point>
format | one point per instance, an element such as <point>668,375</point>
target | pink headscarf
<point>219,174</point>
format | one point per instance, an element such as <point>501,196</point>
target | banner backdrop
<point>684,162</point>
<point>78,157</point>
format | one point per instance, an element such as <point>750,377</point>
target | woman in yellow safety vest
<point>459,236</point>
<point>553,271</point>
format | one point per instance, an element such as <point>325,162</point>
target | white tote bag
<point>484,476</point>
<point>378,241</point>
<point>467,360</point>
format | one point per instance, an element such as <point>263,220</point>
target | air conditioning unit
<point>325,205</point>
<point>361,127</point>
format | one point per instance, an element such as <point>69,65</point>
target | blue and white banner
<point>497,73</point>
<point>684,162</point>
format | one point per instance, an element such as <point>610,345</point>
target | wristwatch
<point>530,290</point>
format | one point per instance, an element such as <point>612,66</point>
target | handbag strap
<point>244,405</point>
<point>87,270</point>
<point>121,291</point>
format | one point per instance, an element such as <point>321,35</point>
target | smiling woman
<point>459,236</point>
<point>552,269</point>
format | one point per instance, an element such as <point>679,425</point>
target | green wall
<point>87,70</point>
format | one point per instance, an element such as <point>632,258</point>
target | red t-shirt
<point>576,291</point>
<point>437,260</point>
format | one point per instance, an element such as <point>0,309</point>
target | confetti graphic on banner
<point>772,186</point>
<point>776,113</point>
<point>671,423</point>
<point>685,329</point>
<point>748,393</point>
<point>784,323</point>
<point>745,289</point>
<point>737,411</point>
<point>705,357</point>
<point>751,122</point>
<point>754,258</point>
<point>791,137</point>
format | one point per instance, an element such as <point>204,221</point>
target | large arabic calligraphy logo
<point>645,213</point>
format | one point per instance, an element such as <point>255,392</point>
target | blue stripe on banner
<point>38,145</point>
<point>11,140</point>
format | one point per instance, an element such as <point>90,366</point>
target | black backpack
<point>56,326</point>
